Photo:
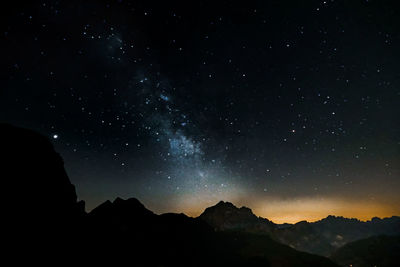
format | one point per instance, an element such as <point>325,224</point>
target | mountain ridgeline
<point>321,237</point>
<point>45,224</point>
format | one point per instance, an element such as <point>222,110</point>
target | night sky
<point>288,107</point>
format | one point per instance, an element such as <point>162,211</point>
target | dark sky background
<point>288,107</point>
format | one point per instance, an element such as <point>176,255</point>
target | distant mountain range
<point>44,224</point>
<point>322,237</point>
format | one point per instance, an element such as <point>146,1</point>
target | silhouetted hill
<point>382,251</point>
<point>321,237</point>
<point>155,240</point>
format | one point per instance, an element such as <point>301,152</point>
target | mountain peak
<point>223,204</point>
<point>225,216</point>
<point>131,202</point>
<point>127,208</point>
<point>337,219</point>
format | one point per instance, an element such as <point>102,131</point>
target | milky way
<point>289,108</point>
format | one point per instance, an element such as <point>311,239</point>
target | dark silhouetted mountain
<point>321,237</point>
<point>40,209</point>
<point>34,175</point>
<point>382,251</point>
<point>226,216</point>
<point>44,224</point>
<point>141,237</point>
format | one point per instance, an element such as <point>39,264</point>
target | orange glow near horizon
<point>307,209</point>
<point>317,209</point>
